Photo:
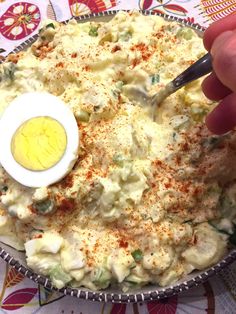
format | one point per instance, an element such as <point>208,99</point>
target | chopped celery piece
<point>168,28</point>
<point>119,84</point>
<point>133,265</point>
<point>4,188</point>
<point>115,92</point>
<point>50,25</point>
<point>232,238</point>
<point>125,36</point>
<point>118,87</point>
<point>57,274</point>
<point>9,71</point>
<point>118,159</point>
<point>214,189</point>
<point>155,78</point>
<point>174,135</point>
<point>185,33</point>
<point>214,225</point>
<point>93,31</point>
<point>101,277</point>
<point>12,211</point>
<point>225,202</point>
<point>137,255</point>
<point>44,207</point>
<point>131,283</point>
<point>198,113</point>
<point>188,221</point>
<point>133,279</point>
<point>179,122</point>
<point>211,142</point>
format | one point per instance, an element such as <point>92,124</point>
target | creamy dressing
<point>134,176</point>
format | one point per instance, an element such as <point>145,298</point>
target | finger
<point>215,29</point>
<point>223,117</point>
<point>213,88</point>
<point>224,59</point>
<point>220,41</point>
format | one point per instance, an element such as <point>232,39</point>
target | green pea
<point>137,255</point>
<point>83,116</point>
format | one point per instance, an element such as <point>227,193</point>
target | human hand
<point>220,40</point>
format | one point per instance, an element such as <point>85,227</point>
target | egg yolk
<point>39,143</point>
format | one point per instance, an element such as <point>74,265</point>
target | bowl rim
<point>132,297</point>
<point>105,295</point>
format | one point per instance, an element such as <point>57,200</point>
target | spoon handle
<point>200,68</point>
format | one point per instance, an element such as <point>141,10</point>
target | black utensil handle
<point>198,69</point>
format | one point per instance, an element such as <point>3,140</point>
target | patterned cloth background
<point>20,20</point>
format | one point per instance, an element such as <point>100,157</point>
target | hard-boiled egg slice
<point>39,139</point>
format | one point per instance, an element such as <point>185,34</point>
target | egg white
<point>23,108</point>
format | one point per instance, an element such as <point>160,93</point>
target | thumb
<point>224,58</point>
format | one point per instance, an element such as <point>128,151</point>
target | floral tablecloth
<point>20,20</point>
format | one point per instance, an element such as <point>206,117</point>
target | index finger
<point>226,24</point>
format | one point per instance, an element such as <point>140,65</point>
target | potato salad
<point>146,201</point>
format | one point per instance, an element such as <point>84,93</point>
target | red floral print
<point>20,20</point>
<point>82,7</point>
